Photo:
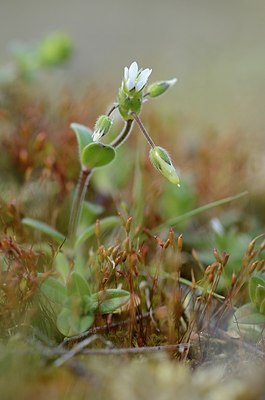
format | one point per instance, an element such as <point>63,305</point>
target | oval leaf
<point>83,136</point>
<point>109,300</point>
<point>69,324</point>
<point>260,296</point>
<point>248,314</point>
<point>85,322</point>
<point>62,266</point>
<point>97,155</point>
<point>77,285</point>
<point>254,282</point>
<point>54,290</point>
<point>44,228</point>
<point>62,322</point>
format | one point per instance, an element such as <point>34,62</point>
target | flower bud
<point>102,127</point>
<point>158,88</point>
<point>160,159</point>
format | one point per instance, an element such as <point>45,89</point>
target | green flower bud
<point>102,127</point>
<point>158,88</point>
<point>129,103</point>
<point>160,159</point>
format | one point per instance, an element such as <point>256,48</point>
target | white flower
<point>135,78</point>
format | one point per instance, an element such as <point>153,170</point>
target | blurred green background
<point>215,48</point>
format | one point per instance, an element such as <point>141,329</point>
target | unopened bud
<point>217,255</point>
<point>102,127</point>
<point>180,242</point>
<point>128,224</point>
<point>160,159</point>
<point>166,244</point>
<point>171,236</point>
<point>97,228</point>
<point>233,279</point>
<point>158,88</point>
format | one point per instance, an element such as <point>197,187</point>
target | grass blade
<point>174,221</point>
<point>105,223</point>
<point>44,228</point>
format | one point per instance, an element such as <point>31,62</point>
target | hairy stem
<point>144,131</point>
<point>123,134</point>
<point>80,192</point>
<point>112,109</point>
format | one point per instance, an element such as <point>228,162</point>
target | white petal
<point>171,82</point>
<point>144,75</point>
<point>133,71</point>
<point>139,85</point>
<point>97,134</point>
<point>126,73</point>
<point>130,84</point>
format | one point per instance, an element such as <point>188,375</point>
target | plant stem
<point>123,134</point>
<point>144,131</point>
<point>80,192</point>
<point>112,109</point>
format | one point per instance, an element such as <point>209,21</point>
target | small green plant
<point>52,51</point>
<point>250,318</point>
<point>75,305</point>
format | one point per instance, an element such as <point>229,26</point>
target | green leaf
<point>70,324</point>
<point>62,266</point>
<point>89,213</point>
<point>54,290</point>
<point>63,323</point>
<point>83,136</point>
<point>44,228</point>
<point>262,307</point>
<point>109,300</point>
<point>254,282</point>
<point>92,209</point>
<point>105,223</point>
<point>97,155</point>
<point>248,314</point>
<point>85,322</point>
<point>77,285</point>
<point>260,296</point>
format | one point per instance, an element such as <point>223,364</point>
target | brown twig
<point>82,336</point>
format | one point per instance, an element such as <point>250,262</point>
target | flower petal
<point>133,71</point>
<point>139,85</point>
<point>144,75</point>
<point>130,84</point>
<point>126,73</point>
<point>97,134</point>
<point>171,82</point>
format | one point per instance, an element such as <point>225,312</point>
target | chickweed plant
<point>76,305</point>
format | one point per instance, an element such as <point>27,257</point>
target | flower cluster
<point>130,99</point>
<point>135,79</point>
